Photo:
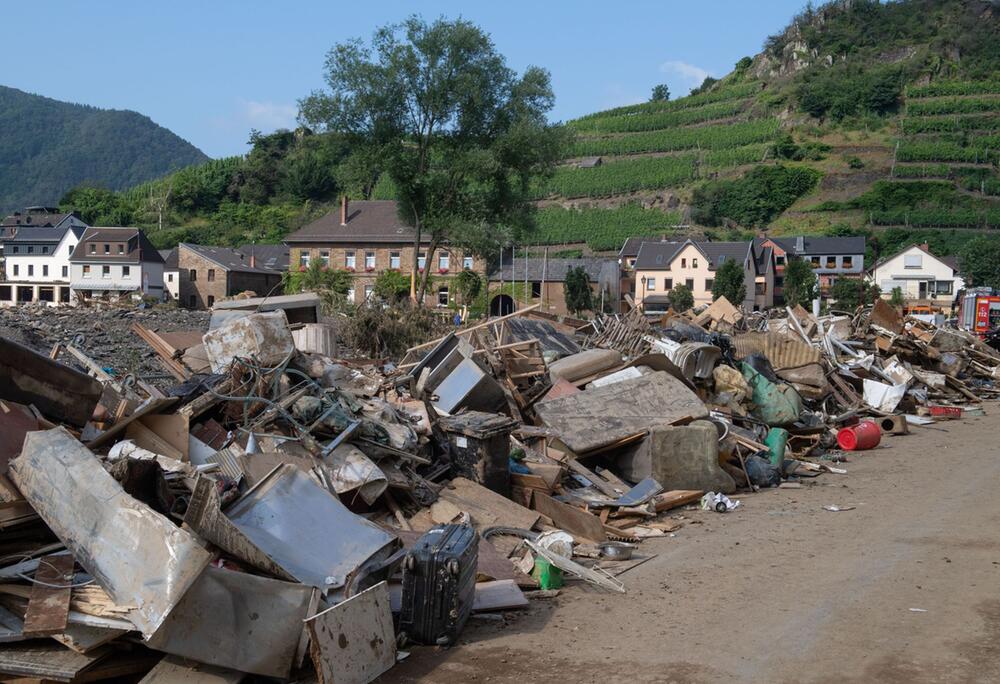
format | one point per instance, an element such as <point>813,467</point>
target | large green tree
<point>730,283</point>
<point>460,133</point>
<point>681,298</point>
<point>800,284</point>
<point>980,262</point>
<point>576,290</point>
<point>850,293</point>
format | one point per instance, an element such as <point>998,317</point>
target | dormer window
<point>121,248</point>
<point>107,248</point>
<point>93,249</point>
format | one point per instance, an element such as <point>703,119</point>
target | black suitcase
<point>439,585</point>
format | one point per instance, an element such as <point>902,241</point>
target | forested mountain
<point>47,147</point>
<point>861,116</point>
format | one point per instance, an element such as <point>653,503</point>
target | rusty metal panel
<point>306,530</point>
<point>783,351</point>
<point>137,555</point>
<point>237,620</point>
<point>48,608</point>
<point>58,391</point>
<point>174,670</point>
<point>264,337</point>
<point>353,642</point>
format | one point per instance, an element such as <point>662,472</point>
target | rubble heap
<point>282,511</point>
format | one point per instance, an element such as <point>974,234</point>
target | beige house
<point>927,281</point>
<point>661,266</point>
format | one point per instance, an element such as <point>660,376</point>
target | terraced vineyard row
<point>656,120</point>
<point>601,229</point>
<point>944,151</point>
<point>706,137</point>
<point>942,88</point>
<point>953,105</point>
<point>620,177</point>
<point>951,124</point>
<point>734,92</point>
<point>937,218</point>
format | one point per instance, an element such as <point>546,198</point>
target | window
<point>393,259</point>
<point>324,256</point>
<point>443,295</point>
<point>86,270</point>
<point>422,260</point>
<point>193,301</point>
<point>349,260</point>
<point>65,271</point>
<point>444,260</point>
<point>369,261</point>
<point>467,263</point>
<point>779,281</point>
<point>170,277</point>
<point>303,259</point>
<point>831,262</point>
<point>847,261</point>
<point>689,283</point>
<point>943,286</point>
<point>694,263</point>
<point>105,271</point>
<point>126,271</point>
<point>668,284</point>
<point>709,284</point>
<point>31,249</point>
<point>45,271</point>
<point>192,275</point>
<point>16,269</point>
<point>536,289</point>
<point>814,262</point>
<point>684,263</point>
<point>211,275</point>
<point>368,292</point>
<point>16,249</point>
<point>121,248</point>
<point>760,288</point>
<point>93,249</point>
<point>779,260</point>
<point>107,248</point>
<point>71,248</point>
<point>651,284</point>
<point>31,270</point>
<point>913,261</point>
<point>45,249</point>
<point>211,300</point>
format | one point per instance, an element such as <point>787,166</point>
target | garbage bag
<point>774,403</point>
<point>762,472</point>
<point>732,382</point>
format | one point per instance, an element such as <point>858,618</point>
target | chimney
<point>924,246</point>
<point>343,210</point>
<point>253,260</point>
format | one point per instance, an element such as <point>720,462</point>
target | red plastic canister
<point>864,435</point>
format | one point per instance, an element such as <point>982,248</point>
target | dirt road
<point>904,588</point>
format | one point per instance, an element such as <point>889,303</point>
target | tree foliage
<point>800,284</point>
<point>753,200</point>
<point>979,262</point>
<point>850,293</point>
<point>896,298</point>
<point>661,93</point>
<point>576,290</point>
<point>468,284</point>
<point>392,286</point>
<point>460,133</point>
<point>681,298</point>
<point>730,282</point>
<point>317,278</point>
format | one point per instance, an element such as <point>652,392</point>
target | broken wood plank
<point>675,498</point>
<point>48,607</point>
<point>577,522</point>
<point>486,507</point>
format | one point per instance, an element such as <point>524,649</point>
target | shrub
<point>753,200</point>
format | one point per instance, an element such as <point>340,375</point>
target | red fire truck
<point>980,311</point>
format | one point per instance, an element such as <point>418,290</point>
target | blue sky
<point>212,70</point>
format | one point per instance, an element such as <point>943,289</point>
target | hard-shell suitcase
<point>439,585</point>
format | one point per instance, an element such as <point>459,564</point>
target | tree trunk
<point>416,259</point>
<point>431,248</point>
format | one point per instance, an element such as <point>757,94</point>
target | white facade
<point>920,276</point>
<point>172,283</point>
<point>95,276</point>
<point>40,263</point>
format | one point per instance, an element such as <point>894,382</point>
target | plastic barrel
<point>864,435</point>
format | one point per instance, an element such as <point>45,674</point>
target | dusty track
<point>784,591</point>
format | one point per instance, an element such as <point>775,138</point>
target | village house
<point>111,262</point>
<point>367,238</point>
<point>830,257</point>
<point>661,266</point>
<point>34,217</point>
<point>37,265</point>
<point>207,274</point>
<point>928,283</point>
<point>546,280</point>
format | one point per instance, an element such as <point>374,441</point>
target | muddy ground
<point>904,588</point>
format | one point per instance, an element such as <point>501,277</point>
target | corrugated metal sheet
<point>781,350</point>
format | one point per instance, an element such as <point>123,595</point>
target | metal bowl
<point>616,550</point>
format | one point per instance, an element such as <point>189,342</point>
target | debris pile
<point>280,509</point>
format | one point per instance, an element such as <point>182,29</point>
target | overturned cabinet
<point>480,448</point>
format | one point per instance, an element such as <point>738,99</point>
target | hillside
<point>860,117</point>
<point>48,147</point>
